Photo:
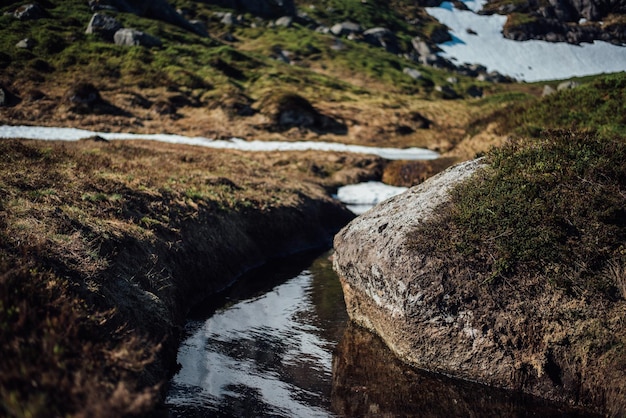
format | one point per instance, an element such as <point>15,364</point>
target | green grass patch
<point>553,206</point>
<point>598,105</point>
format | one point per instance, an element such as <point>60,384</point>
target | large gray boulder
<point>438,313</point>
<point>377,269</point>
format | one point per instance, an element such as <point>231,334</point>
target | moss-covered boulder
<point>509,273</point>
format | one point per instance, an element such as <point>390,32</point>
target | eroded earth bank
<point>105,246</point>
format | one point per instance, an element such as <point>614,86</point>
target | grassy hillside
<point>199,85</point>
<point>219,86</point>
<point>74,217</point>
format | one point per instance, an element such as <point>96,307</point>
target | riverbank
<point>105,246</point>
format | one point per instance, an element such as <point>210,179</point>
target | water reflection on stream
<point>278,344</point>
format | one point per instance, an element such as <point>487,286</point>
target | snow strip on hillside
<point>528,60</point>
<point>73,134</point>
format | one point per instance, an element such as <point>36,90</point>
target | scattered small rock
<point>285,21</point>
<point>382,37</point>
<point>282,55</point>
<point>31,11</point>
<point>547,90</point>
<point>97,5</point>
<point>322,29</point>
<point>447,92</point>
<point>134,37</point>
<point>345,29</point>
<point>200,27</point>
<point>475,92</point>
<point>25,43</point>
<point>452,80</point>
<point>3,98</point>
<point>567,85</point>
<point>412,72</point>
<point>103,25</point>
<point>229,19</point>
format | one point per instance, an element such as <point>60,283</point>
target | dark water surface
<point>278,344</point>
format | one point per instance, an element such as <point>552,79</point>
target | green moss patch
<point>553,206</point>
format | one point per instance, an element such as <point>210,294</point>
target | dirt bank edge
<point>104,248</point>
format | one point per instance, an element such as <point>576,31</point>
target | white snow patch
<point>529,60</point>
<point>359,198</point>
<point>73,134</point>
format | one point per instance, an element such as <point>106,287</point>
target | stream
<point>278,343</point>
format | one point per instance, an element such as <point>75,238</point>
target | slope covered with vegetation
<point>74,217</point>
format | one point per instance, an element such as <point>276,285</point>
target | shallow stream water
<point>279,344</point>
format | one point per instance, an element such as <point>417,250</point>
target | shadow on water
<point>255,283</point>
<point>369,381</point>
<point>278,343</point>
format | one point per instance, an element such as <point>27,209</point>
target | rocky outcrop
<point>572,21</point>
<point>527,335</point>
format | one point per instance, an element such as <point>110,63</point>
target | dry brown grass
<point>92,235</point>
<point>615,272</point>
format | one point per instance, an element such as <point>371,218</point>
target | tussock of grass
<point>553,207</point>
<point>56,357</point>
